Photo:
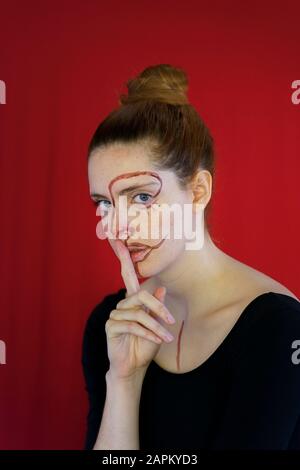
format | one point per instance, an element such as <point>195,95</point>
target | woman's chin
<point>145,271</point>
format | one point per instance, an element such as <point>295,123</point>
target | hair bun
<point>163,83</point>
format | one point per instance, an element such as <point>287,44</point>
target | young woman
<point>203,353</point>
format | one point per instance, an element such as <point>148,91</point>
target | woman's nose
<point>122,234</point>
<point>122,223</point>
<point>123,231</point>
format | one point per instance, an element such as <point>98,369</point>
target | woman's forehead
<point>106,165</point>
<point>125,155</point>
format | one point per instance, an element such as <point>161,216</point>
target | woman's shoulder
<point>271,309</point>
<point>274,300</point>
<point>283,310</point>
<point>257,292</point>
<point>270,324</point>
<point>250,281</point>
<point>282,306</point>
<point>268,312</point>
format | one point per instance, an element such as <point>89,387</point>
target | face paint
<point>178,346</point>
<point>143,254</point>
<point>132,175</point>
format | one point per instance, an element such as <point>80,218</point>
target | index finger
<point>127,269</point>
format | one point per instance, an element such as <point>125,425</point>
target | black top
<point>246,395</point>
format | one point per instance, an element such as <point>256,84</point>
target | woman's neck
<point>195,279</point>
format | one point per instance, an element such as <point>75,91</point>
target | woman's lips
<point>139,255</point>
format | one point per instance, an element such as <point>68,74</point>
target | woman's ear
<point>201,187</point>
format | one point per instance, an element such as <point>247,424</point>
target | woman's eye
<point>145,197</point>
<point>98,203</point>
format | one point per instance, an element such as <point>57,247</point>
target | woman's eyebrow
<point>127,190</point>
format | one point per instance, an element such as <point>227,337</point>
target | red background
<point>64,64</point>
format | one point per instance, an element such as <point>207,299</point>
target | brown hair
<point>156,110</point>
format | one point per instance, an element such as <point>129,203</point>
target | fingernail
<point>169,337</point>
<point>171,319</point>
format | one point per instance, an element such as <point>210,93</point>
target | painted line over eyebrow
<point>126,190</point>
<point>132,174</point>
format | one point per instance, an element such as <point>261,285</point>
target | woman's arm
<point>120,421</point>
<point>95,363</point>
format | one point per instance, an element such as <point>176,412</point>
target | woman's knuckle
<point>142,294</point>
<point>160,309</point>
<point>157,327</point>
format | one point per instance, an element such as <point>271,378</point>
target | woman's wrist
<point>135,379</point>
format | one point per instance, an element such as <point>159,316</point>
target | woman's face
<point>125,170</point>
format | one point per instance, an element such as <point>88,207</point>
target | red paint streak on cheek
<point>178,346</point>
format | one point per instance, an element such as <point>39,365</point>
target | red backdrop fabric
<point>64,65</point>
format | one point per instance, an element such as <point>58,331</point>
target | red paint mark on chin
<point>178,346</point>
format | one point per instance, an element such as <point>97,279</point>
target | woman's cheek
<point>160,222</point>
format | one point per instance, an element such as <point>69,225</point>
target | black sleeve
<point>263,407</point>
<point>95,364</point>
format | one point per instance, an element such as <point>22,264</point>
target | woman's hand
<point>133,332</point>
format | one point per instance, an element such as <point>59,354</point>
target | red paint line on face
<point>131,175</point>
<point>146,256</point>
<point>178,346</point>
